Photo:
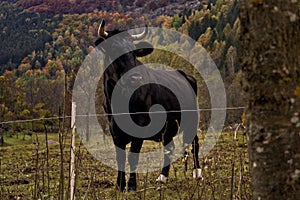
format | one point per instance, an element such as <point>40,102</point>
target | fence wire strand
<point>119,114</point>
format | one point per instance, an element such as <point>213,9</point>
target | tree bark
<point>270,62</point>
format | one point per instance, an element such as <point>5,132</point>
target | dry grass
<point>24,173</point>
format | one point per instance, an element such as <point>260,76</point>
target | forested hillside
<point>88,6</point>
<point>44,45</point>
<point>22,33</point>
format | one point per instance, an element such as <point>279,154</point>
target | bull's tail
<point>188,130</point>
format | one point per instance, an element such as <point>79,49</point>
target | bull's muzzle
<point>129,82</point>
<point>135,79</point>
<point>132,80</point>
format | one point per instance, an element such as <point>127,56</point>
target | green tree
<point>177,21</point>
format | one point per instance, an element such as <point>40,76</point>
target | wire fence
<point>119,114</point>
<point>55,170</point>
<point>38,170</point>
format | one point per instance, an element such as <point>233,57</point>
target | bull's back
<point>178,81</point>
<point>192,81</point>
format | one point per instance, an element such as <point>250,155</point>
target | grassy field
<point>30,169</point>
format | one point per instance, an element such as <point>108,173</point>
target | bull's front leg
<point>133,159</point>
<point>121,157</point>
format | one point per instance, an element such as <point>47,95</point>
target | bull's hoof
<point>161,179</point>
<point>131,188</point>
<point>197,174</point>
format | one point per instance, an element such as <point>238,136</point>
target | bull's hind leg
<point>195,148</point>
<point>133,159</point>
<point>168,143</point>
<point>168,151</point>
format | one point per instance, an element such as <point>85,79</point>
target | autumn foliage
<point>60,43</point>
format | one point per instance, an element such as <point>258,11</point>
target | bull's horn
<point>141,35</point>
<point>101,29</point>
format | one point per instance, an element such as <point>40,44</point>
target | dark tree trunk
<point>270,60</point>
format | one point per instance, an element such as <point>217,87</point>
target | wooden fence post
<point>72,167</point>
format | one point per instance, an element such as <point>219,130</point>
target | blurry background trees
<point>44,43</point>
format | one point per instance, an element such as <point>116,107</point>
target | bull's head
<point>120,54</point>
<point>115,43</point>
<point>104,34</point>
<point>124,41</point>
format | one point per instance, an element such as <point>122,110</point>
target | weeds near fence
<point>38,168</point>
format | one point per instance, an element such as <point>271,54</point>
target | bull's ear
<point>143,49</point>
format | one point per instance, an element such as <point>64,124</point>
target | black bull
<point>142,99</point>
